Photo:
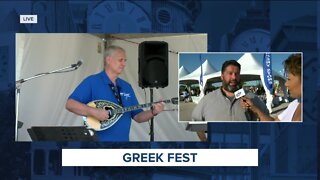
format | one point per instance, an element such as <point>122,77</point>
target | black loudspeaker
<point>153,64</point>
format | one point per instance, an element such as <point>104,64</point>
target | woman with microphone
<point>292,65</point>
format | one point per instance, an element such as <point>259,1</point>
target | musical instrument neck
<point>141,106</point>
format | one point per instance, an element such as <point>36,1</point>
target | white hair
<point>111,49</point>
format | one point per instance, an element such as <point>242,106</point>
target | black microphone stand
<point>18,89</point>
<point>151,120</point>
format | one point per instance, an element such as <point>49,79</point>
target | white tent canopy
<point>207,69</point>
<point>194,77</point>
<point>250,69</point>
<point>183,72</point>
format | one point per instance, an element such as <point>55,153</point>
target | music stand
<point>62,133</point>
<point>197,126</point>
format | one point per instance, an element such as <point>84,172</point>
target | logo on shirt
<point>126,95</point>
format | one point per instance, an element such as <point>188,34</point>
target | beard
<point>231,88</point>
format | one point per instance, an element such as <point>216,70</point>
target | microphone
<point>239,93</point>
<point>77,65</point>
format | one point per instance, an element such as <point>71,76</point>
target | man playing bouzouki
<point>106,85</point>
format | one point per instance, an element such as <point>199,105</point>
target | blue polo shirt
<point>96,87</point>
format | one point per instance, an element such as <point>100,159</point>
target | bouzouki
<point>115,112</point>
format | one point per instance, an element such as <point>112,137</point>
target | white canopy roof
<point>183,72</point>
<point>251,69</point>
<point>207,69</point>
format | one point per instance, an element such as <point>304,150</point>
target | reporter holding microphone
<point>292,65</point>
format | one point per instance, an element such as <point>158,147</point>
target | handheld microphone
<point>239,93</point>
<point>77,65</point>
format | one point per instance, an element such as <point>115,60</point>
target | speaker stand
<point>151,120</point>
